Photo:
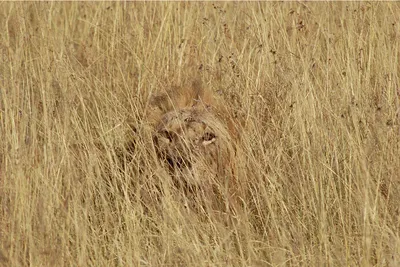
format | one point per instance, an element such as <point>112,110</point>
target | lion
<point>194,140</point>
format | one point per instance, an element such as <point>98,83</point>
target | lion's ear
<point>188,94</point>
<point>156,106</point>
<point>160,101</point>
<point>201,97</point>
<point>197,90</point>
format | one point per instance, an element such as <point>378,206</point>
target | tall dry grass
<point>315,87</point>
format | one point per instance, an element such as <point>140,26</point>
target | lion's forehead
<point>184,114</point>
<point>184,120</point>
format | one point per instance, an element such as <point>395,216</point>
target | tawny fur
<point>194,142</point>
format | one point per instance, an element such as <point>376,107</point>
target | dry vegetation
<point>313,89</point>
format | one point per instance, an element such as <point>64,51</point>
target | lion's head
<point>193,141</point>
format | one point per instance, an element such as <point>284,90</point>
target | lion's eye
<point>166,134</point>
<point>208,138</point>
<point>189,119</point>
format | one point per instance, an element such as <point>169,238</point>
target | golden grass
<point>315,86</point>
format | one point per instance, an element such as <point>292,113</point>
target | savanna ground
<point>314,88</point>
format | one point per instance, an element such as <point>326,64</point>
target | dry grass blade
<point>286,153</point>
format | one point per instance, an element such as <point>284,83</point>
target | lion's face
<point>191,139</point>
